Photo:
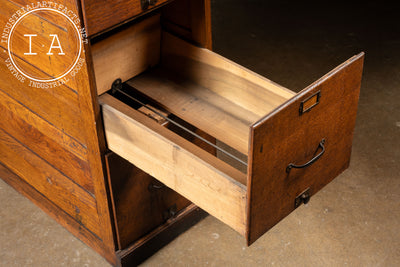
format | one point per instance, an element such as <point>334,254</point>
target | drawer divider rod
<point>115,88</point>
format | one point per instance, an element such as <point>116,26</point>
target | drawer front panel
<point>292,134</point>
<point>102,15</point>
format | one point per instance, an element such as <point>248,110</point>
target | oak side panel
<point>54,185</point>
<point>84,84</point>
<point>140,202</point>
<point>41,101</point>
<point>96,147</point>
<point>287,136</point>
<point>73,113</point>
<point>45,140</point>
<point>19,42</point>
<point>54,211</point>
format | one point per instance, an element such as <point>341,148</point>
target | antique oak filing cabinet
<point>155,129</point>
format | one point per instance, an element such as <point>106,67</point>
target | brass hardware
<point>116,85</point>
<point>292,165</point>
<point>170,212</point>
<point>309,103</point>
<point>304,197</point>
<point>146,3</point>
<point>153,186</point>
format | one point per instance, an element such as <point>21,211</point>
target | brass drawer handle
<point>292,165</point>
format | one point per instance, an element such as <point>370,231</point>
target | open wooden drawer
<point>291,144</point>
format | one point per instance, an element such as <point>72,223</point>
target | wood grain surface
<point>218,116</point>
<point>37,100</point>
<point>190,20</point>
<point>75,201</point>
<point>52,139</point>
<point>209,91</point>
<point>208,182</point>
<point>50,135</point>
<point>102,15</point>
<point>46,140</point>
<point>140,202</point>
<point>222,76</point>
<point>284,136</point>
<point>126,53</point>
<point>146,246</point>
<point>53,210</point>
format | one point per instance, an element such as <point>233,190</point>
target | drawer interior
<point>187,81</point>
<point>209,91</point>
<point>196,174</point>
<point>256,124</point>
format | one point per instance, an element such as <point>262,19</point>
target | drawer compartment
<point>291,145</point>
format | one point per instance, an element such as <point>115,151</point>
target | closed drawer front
<point>283,147</point>
<point>102,15</point>
<point>140,202</point>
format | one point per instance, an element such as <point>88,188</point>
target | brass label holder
<point>309,103</point>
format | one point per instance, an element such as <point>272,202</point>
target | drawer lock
<point>146,3</point>
<point>170,212</point>
<point>302,198</point>
<point>155,186</point>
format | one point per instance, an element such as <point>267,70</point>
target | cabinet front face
<point>274,148</point>
<point>141,203</point>
<point>103,15</point>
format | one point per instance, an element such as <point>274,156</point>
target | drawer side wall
<point>173,161</point>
